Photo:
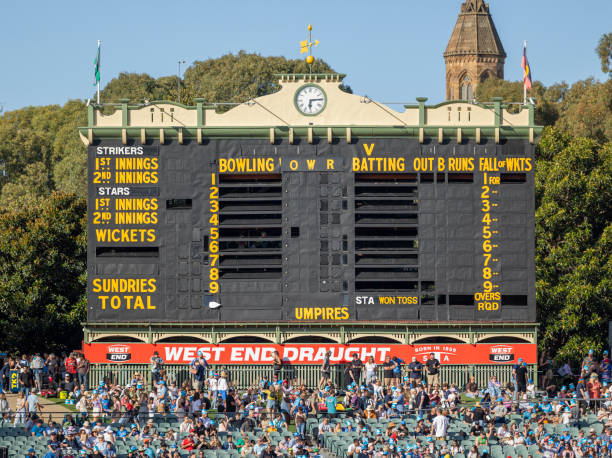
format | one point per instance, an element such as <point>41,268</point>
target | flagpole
<point>99,42</point>
<point>524,86</point>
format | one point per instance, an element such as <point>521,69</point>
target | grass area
<point>467,401</point>
<point>61,402</point>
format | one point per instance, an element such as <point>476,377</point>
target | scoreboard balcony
<point>268,225</point>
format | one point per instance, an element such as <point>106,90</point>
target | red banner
<point>137,353</point>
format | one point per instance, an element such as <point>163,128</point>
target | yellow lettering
<point>368,150</point>
<point>311,163</point>
<point>441,164</point>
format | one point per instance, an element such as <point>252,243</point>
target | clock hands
<point>313,100</point>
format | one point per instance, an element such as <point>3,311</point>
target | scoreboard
<point>375,229</point>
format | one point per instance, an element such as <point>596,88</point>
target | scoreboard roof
<point>311,205</point>
<point>278,116</point>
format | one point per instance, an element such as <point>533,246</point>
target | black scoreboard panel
<point>380,229</point>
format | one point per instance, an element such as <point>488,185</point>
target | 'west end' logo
<point>118,353</point>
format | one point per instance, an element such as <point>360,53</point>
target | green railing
<point>244,376</point>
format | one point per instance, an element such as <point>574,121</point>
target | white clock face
<point>310,100</point>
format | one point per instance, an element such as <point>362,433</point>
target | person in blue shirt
<point>566,436</point>
<point>122,432</point>
<point>397,370</point>
<point>398,400</point>
<point>38,430</point>
<point>545,405</point>
<point>264,383</point>
<point>331,402</point>
<point>51,429</point>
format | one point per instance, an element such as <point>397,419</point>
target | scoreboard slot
<point>127,252</point>
<point>246,207</point>
<point>250,232</point>
<point>386,232</point>
<point>386,273</point>
<point>513,177</point>
<point>399,219</point>
<point>251,219</point>
<point>387,286</point>
<point>369,259</point>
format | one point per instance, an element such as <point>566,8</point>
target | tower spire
<point>474,52</point>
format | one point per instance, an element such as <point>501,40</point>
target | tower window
<point>466,88</point>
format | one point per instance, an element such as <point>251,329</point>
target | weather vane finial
<point>306,46</point>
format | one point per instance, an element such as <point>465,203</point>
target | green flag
<point>97,66</point>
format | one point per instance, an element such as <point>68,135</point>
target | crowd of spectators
<point>409,411</point>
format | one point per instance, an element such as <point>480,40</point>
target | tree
<point>240,77</point>
<point>604,51</point>
<point>586,110</point>
<point>573,243</point>
<point>30,188</point>
<point>43,254</point>
<point>41,134</point>
<point>547,99</point>
<point>137,87</point>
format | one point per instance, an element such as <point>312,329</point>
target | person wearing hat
<point>188,442</point>
<point>499,412</point>
<point>71,440</point>
<point>197,368</point>
<point>285,444</point>
<point>53,444</point>
<point>594,388</point>
<point>157,364</point>
<point>152,429</point>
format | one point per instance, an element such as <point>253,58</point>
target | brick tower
<point>474,52</point>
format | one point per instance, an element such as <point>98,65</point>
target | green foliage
<point>43,254</point>
<point>230,78</point>
<point>138,87</point>
<point>546,113</point>
<point>604,51</point>
<point>573,241</point>
<point>586,110</point>
<point>42,135</point>
<point>240,77</point>
<point>32,186</point>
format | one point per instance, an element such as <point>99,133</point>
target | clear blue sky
<point>391,50</point>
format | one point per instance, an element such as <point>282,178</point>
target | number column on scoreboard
<point>487,298</point>
<point>102,175</point>
<point>213,237</point>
